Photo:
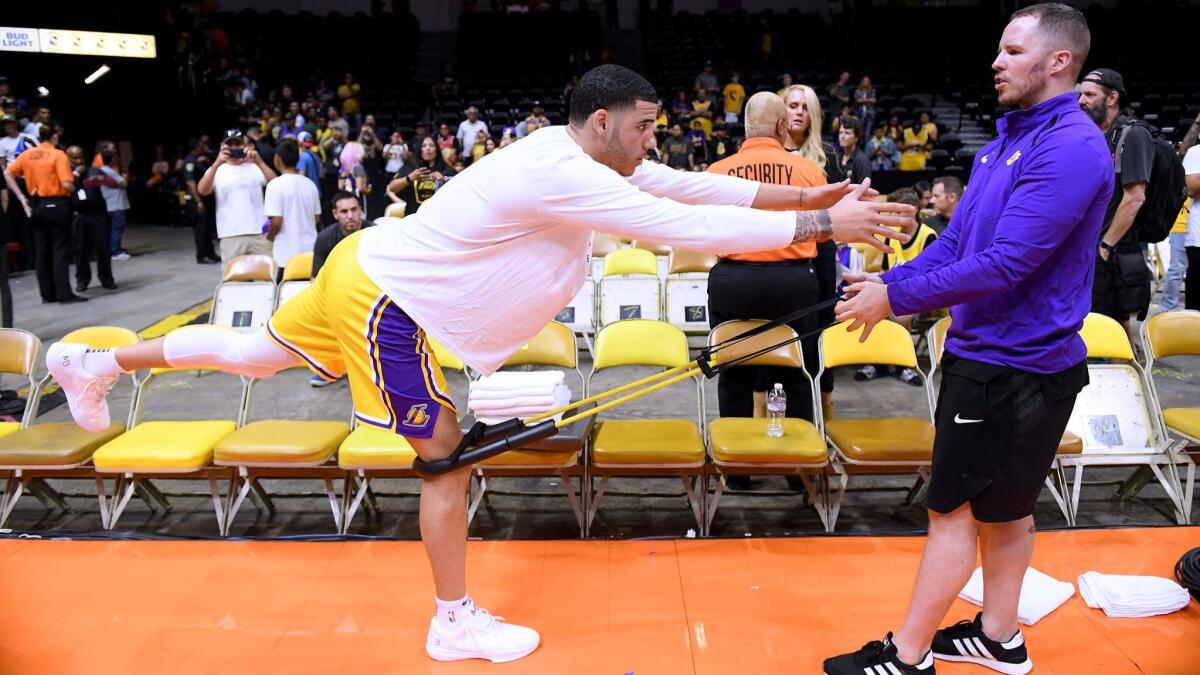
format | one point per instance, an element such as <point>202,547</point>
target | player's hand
<point>853,279</point>
<point>868,304</point>
<point>825,196</point>
<point>857,219</point>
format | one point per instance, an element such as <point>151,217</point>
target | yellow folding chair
<point>741,446</point>
<point>1165,335</point>
<point>882,445</point>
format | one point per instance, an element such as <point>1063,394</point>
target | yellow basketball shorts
<point>343,324</point>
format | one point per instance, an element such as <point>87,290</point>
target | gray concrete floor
<point>162,278</point>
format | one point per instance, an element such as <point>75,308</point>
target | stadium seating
<point>245,297</point>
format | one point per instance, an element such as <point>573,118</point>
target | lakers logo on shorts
<point>417,416</point>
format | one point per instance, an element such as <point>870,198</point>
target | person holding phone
<point>418,180</point>
<point>238,177</point>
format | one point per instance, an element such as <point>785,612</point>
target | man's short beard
<point>1098,113</point>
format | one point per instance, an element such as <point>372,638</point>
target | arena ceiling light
<point>77,42</point>
<point>100,72</point>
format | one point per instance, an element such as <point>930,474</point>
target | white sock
<point>451,612</point>
<point>102,362</point>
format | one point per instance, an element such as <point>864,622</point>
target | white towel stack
<point>503,396</point>
<point>1040,594</point>
<point>1132,596</point>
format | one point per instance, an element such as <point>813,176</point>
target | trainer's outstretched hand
<point>825,196</point>
<point>867,305</point>
<point>853,279</point>
<point>858,219</point>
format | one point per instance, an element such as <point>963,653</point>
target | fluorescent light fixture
<point>100,72</point>
<point>42,91</point>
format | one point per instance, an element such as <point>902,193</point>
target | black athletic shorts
<point>998,430</point>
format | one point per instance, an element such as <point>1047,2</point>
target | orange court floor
<point>755,605</point>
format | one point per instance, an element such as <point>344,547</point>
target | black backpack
<point>1166,189</point>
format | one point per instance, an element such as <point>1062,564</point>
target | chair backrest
<point>388,220</point>
<point>640,342</point>
<point>250,268</point>
<point>1105,338</point>
<point>787,356</point>
<point>553,346</point>
<point>630,261</point>
<point>888,344</point>
<point>1173,334</point>
<point>19,350</point>
<point>394,211</point>
<point>656,249</point>
<point>299,267</point>
<point>103,337</point>
<point>937,339</point>
<point>684,260</point>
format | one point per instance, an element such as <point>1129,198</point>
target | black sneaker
<point>877,658</point>
<point>965,642</point>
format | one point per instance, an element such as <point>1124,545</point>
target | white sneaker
<point>85,391</point>
<point>479,635</point>
<point>121,256</point>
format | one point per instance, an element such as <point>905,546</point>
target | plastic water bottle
<point>776,410</point>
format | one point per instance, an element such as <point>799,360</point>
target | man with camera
<point>238,177</point>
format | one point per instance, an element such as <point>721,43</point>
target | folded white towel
<point>507,381</point>
<point>478,394</point>
<point>1040,594</point>
<point>522,407</point>
<point>1132,596</point>
<point>545,402</point>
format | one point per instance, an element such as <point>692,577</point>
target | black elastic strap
<point>709,370</point>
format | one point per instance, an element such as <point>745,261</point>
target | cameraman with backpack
<point>91,228</point>
<point>1148,195</point>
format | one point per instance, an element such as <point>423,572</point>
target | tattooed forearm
<point>813,226</point>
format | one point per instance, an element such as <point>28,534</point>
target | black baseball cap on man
<point>1106,77</point>
<point>234,135</point>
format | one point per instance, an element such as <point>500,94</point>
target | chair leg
<point>690,485</point>
<point>262,501</point>
<point>335,504</point>
<point>224,518</point>
<point>843,479</point>
<point>569,488</point>
<point>1077,484</point>
<point>240,485</point>
<point>47,495</point>
<point>13,487</point>
<point>122,493</point>
<point>1171,488</point>
<point>359,494</point>
<point>102,497</point>
<point>479,494</point>
<point>713,501</point>
<point>371,505</point>
<point>150,494</point>
<point>595,502</point>
<point>1058,498</point>
<point>819,500</point>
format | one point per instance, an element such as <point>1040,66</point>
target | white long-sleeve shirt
<point>495,254</point>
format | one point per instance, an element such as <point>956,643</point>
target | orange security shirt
<point>764,160</point>
<point>44,168</point>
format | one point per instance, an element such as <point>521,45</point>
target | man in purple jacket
<point>1015,266</point>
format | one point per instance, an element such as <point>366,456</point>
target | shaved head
<point>764,114</point>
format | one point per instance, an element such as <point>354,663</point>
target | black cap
<point>1106,77</point>
<point>233,135</point>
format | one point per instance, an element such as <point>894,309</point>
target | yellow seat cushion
<point>54,444</point>
<point>1070,444</point>
<point>1184,420</point>
<point>277,442</point>
<point>369,447</point>
<point>518,458</point>
<point>166,446</point>
<point>651,442</point>
<point>892,439</point>
<point>7,428</point>
<point>744,440</point>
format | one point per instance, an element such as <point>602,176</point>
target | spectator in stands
<point>895,130</point>
<point>348,93</point>
<point>914,155</point>
<point>7,203</point>
<point>707,80</point>
<point>14,140</point>
<point>534,121</point>
<point>851,158</point>
<point>681,109</point>
<point>864,104</point>
<point>702,112</point>
<point>721,145</point>
<point>348,219</point>
<point>805,119</point>
<point>677,151</point>
<point>200,209</point>
<point>352,175</point>
<point>238,177</point>
<point>468,131</point>
<point>323,93</point>
<point>12,144</point>
<point>332,148</point>
<point>845,117</point>
<point>115,196</point>
<point>448,144</point>
<point>49,181</point>
<point>947,192</point>
<point>766,284</point>
<point>1122,282</point>
<point>336,121</point>
<point>40,119</point>
<point>735,98</point>
<point>321,133</point>
<point>699,141</point>
<point>421,178</point>
<point>1191,241</point>
<point>90,229</point>
<point>925,123</point>
<point>395,153</point>
<point>786,80</point>
<point>840,90</point>
<point>290,127</point>
<point>255,135</point>
<point>1178,266</point>
<point>884,154</point>
<point>489,146</point>
<point>292,206</point>
<point>924,191</point>
<point>309,162</point>
<point>478,150</point>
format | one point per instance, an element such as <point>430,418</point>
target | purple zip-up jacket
<point>1016,262</point>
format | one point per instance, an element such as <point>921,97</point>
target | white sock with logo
<point>453,612</point>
